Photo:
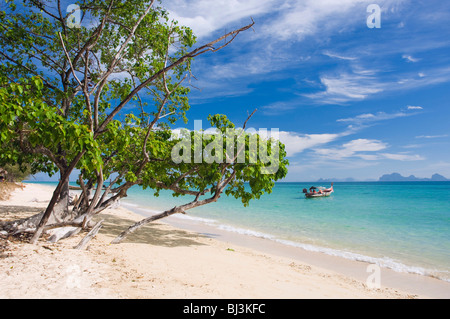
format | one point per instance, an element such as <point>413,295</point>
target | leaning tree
<point>68,91</point>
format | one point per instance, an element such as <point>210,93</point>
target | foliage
<point>32,132</point>
<point>34,38</point>
<point>124,144</point>
<point>102,97</point>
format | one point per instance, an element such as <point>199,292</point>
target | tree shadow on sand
<point>8,212</point>
<point>152,234</point>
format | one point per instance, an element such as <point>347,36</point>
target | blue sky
<point>348,100</point>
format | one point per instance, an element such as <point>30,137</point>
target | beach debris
<point>90,235</point>
<point>300,267</point>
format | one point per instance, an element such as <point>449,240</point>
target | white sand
<point>161,261</point>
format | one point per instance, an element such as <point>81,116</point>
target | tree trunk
<point>145,221</point>
<point>64,200</point>
<point>56,194</point>
<point>93,204</point>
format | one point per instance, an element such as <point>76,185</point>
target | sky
<point>347,99</point>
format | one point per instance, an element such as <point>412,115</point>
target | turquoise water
<point>404,226</point>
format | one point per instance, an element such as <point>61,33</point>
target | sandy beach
<point>164,261</point>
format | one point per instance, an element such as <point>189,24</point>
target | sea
<point>404,226</point>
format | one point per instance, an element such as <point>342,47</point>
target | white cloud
<point>249,65</point>
<point>290,19</point>
<point>432,136</point>
<point>346,87</point>
<point>411,107</point>
<point>410,81</point>
<point>296,143</point>
<point>364,145</point>
<point>277,108</point>
<point>412,146</point>
<point>338,56</point>
<point>352,149</point>
<point>369,157</point>
<point>271,48</point>
<point>205,17</point>
<point>360,147</point>
<point>296,20</point>
<point>409,58</point>
<point>369,117</point>
<point>360,84</point>
<point>403,157</point>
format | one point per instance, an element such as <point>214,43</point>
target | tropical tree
<point>70,83</point>
<point>232,162</point>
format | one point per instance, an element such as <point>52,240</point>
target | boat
<point>315,192</point>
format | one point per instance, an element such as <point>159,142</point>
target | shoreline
<point>224,230</point>
<point>359,270</point>
<point>215,264</point>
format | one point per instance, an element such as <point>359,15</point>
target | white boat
<point>318,191</point>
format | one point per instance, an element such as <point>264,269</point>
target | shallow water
<point>404,226</point>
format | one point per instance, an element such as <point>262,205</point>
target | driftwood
<point>57,228</point>
<point>90,235</point>
<point>63,232</point>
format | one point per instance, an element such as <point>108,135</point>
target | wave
<point>384,262</point>
<point>195,219</point>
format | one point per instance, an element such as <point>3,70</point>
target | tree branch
<point>46,83</point>
<point>103,79</point>
<point>196,52</point>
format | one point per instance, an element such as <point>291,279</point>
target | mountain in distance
<point>396,177</point>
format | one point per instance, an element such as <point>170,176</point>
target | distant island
<point>396,177</point>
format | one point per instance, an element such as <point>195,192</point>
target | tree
<point>65,91</point>
<point>220,171</point>
<point>15,173</point>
